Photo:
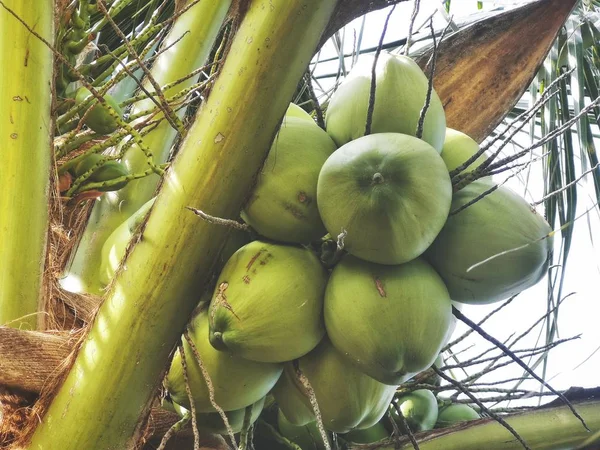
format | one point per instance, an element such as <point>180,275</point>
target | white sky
<point>579,313</point>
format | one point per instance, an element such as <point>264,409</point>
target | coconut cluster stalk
<point>25,140</point>
<point>188,46</point>
<point>119,365</point>
<point>543,429</point>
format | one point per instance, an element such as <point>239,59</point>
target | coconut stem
<point>25,141</point>
<point>378,178</point>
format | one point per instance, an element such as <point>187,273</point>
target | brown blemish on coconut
<point>246,279</point>
<point>294,211</point>
<point>304,198</point>
<point>379,287</point>
<point>253,260</point>
<point>221,300</point>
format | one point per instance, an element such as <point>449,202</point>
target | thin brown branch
<point>492,414</point>
<point>371,107</point>
<point>460,316</point>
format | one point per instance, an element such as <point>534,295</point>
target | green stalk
<point>118,367</point>
<point>25,140</point>
<point>193,36</point>
<point>543,429</point>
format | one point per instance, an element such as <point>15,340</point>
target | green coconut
<point>455,413</point>
<point>347,398</point>
<point>369,435</point>
<point>400,93</point>
<point>503,234</point>
<point>458,148</point>
<point>391,193</point>
<point>237,382</point>
<point>283,203</point>
<point>433,378</point>
<point>107,171</point>
<point>390,321</point>
<point>99,118</point>
<point>213,422</point>
<point>268,303</point>
<point>419,408</point>
<point>307,437</point>
<point>116,244</point>
<point>297,112</point>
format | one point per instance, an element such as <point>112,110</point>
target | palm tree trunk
<point>25,138</point>
<point>119,365</point>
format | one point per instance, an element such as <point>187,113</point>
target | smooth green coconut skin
<point>283,204</point>
<point>499,222</point>
<point>268,303</point>
<point>455,413</point>
<point>367,436</point>
<point>237,382</point>
<point>391,192</point>
<point>213,423</point>
<point>347,398</point>
<point>419,408</point>
<point>458,148</point>
<point>99,118</point>
<point>109,170</point>
<point>390,321</point>
<point>296,112</point>
<point>307,437</point>
<point>400,92</point>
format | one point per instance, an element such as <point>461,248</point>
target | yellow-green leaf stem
<point>543,429</point>
<point>188,46</point>
<point>25,149</point>
<point>120,362</point>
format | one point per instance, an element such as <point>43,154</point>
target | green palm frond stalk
<point>188,46</point>
<point>118,367</point>
<point>544,429</point>
<point>25,143</point>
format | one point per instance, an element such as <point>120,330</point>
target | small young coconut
<point>213,422</point>
<point>99,118</point>
<point>268,303</point>
<point>390,321</point>
<point>307,437</point>
<point>237,382</point>
<point>495,248</point>
<point>369,435</point>
<point>458,148</point>
<point>419,408</point>
<point>107,171</point>
<point>295,111</point>
<point>400,93</point>
<point>347,398</point>
<point>391,193</point>
<point>455,413</point>
<point>283,203</point>
<point>113,249</point>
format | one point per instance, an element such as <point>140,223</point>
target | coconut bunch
<point>346,334</point>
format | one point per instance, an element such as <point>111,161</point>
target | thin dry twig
<point>314,100</point>
<point>313,402</point>
<point>406,428</point>
<point>220,221</point>
<point>411,26</point>
<point>210,387</point>
<point>460,316</point>
<point>371,107</point>
<point>188,391</point>
<point>492,414</point>
<point>163,105</point>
